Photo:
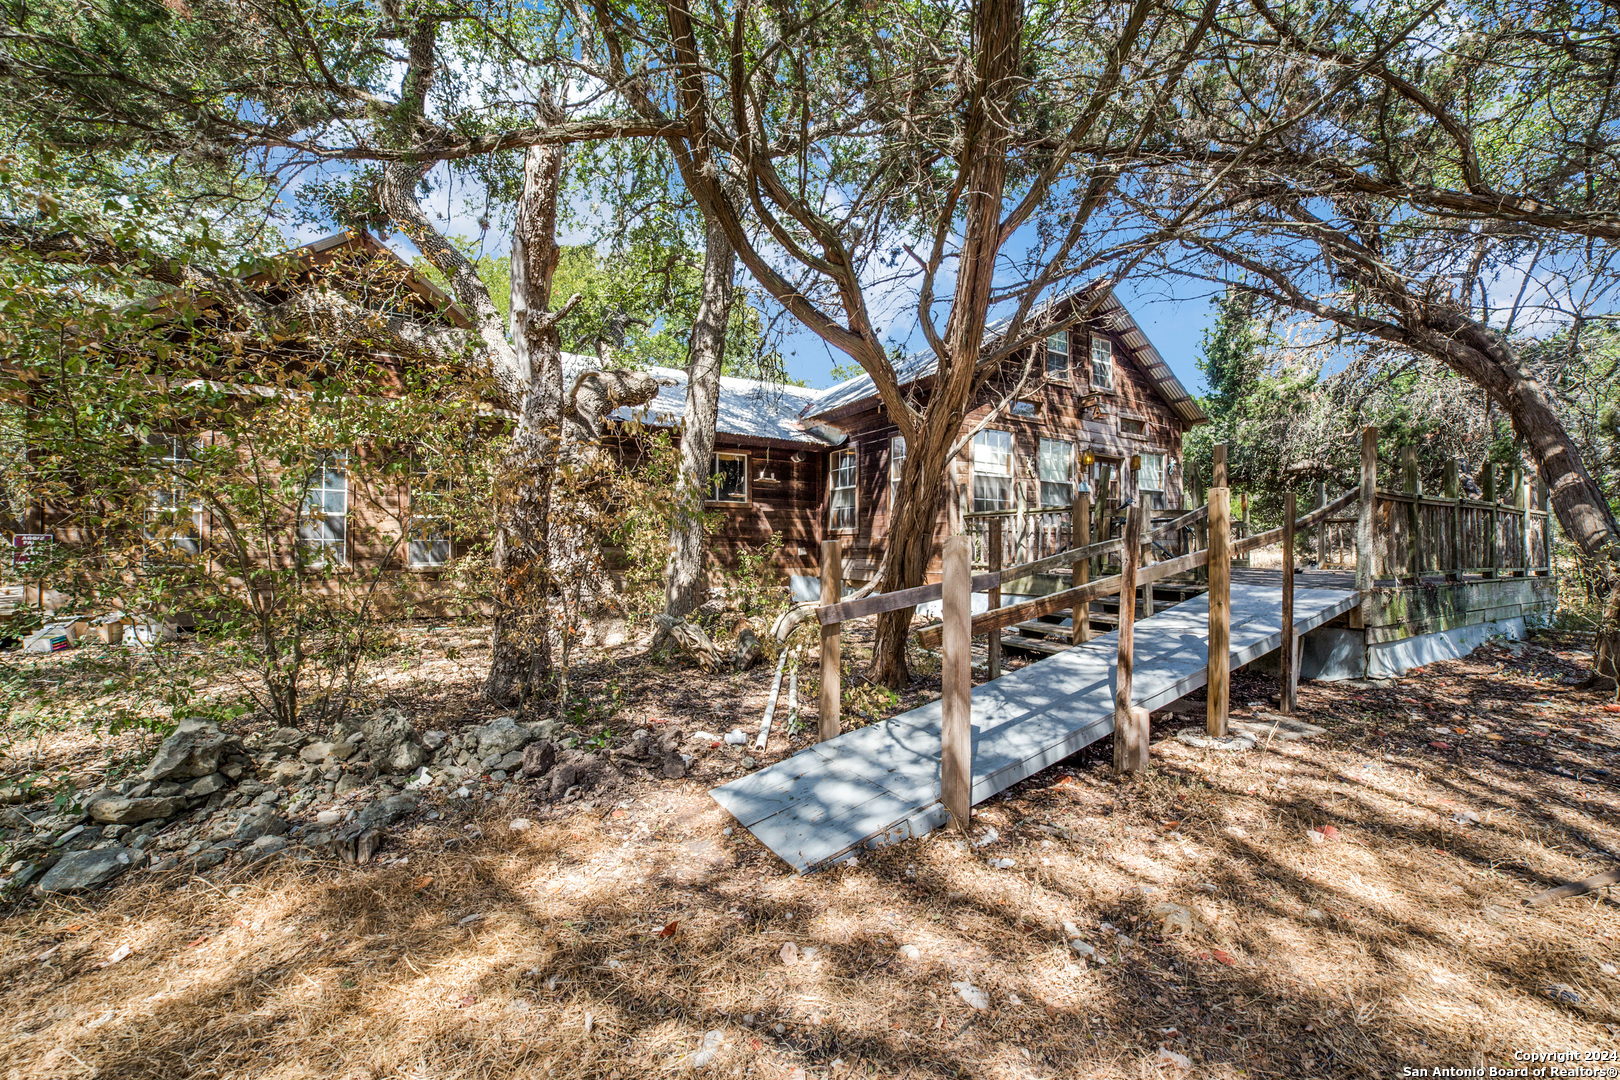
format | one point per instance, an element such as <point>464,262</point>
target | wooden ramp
<point>880,784</point>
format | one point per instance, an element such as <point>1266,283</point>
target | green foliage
<point>182,460</point>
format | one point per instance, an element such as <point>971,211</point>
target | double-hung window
<point>1102,363</point>
<point>897,461</point>
<point>1056,467</point>
<point>730,472</point>
<point>992,471</point>
<point>324,527</point>
<point>1150,477</point>
<point>174,516</point>
<point>427,541</point>
<point>1057,356</point>
<point>843,489</point>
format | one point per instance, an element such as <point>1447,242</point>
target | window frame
<point>317,547</point>
<point>413,533</point>
<point>836,469</point>
<point>176,492</point>
<point>1043,482</point>
<point>1067,375</point>
<point>713,498</point>
<point>1107,347</point>
<point>1141,469</point>
<point>1005,480</point>
<point>897,462</point>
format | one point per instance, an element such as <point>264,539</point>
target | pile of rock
<point>207,798</point>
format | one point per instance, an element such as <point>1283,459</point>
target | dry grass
<point>1402,943</point>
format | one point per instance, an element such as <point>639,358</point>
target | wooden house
<point>807,465</point>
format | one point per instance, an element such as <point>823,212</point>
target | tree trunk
<point>998,24</point>
<point>523,638</point>
<point>683,574</point>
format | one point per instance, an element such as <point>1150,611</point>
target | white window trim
<point>854,488</point>
<point>1010,475</point>
<point>177,449</point>
<point>714,470</point>
<point>896,463</point>
<point>319,548</point>
<point>1142,469</point>
<point>1068,357</point>
<point>1042,481</point>
<point>442,532</point>
<point>1096,340</point>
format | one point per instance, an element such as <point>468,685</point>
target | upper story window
<point>1102,363</point>
<point>843,489</point>
<point>1056,468</point>
<point>1132,427</point>
<point>324,532</point>
<point>992,471</point>
<point>1025,410</point>
<point>730,473</point>
<point>1057,356</point>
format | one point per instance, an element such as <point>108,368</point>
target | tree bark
<point>924,474</point>
<point>523,638</point>
<point>683,573</point>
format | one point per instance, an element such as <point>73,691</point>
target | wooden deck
<point>880,784</point>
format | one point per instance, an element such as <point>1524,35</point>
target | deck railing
<point>1400,535</point>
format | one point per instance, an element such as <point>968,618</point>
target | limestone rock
<point>501,736</point>
<point>82,870</point>
<point>391,741</point>
<point>285,742</point>
<point>402,758</point>
<point>121,810</point>
<point>384,812</point>
<point>194,749</point>
<point>204,786</point>
<point>674,765</point>
<point>538,757</point>
<point>259,821</point>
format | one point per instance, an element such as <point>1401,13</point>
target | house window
<point>992,471</point>
<point>1133,427</point>
<point>1056,468</point>
<point>174,516</point>
<point>897,461</point>
<point>1150,477</point>
<point>1102,363</point>
<point>730,472</point>
<point>1026,410</point>
<point>843,490</point>
<point>324,527</point>
<point>1057,356</point>
<point>427,542</point>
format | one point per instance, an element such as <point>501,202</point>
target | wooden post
<point>1246,531</point>
<point>1414,531</point>
<point>1220,609</point>
<point>1286,658</point>
<point>1147,560</point>
<point>1202,533</point>
<point>956,684</point>
<point>1080,572</point>
<point>1322,529</point>
<point>832,583</point>
<point>1130,734</point>
<point>1220,466</point>
<point>1364,518</point>
<point>1454,518</point>
<point>1487,484</point>
<point>1521,499</point>
<point>994,643</point>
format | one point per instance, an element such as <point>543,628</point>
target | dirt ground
<point>1353,906</point>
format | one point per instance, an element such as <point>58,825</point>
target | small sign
<point>25,547</point>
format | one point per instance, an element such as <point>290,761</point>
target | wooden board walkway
<point>880,784</point>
